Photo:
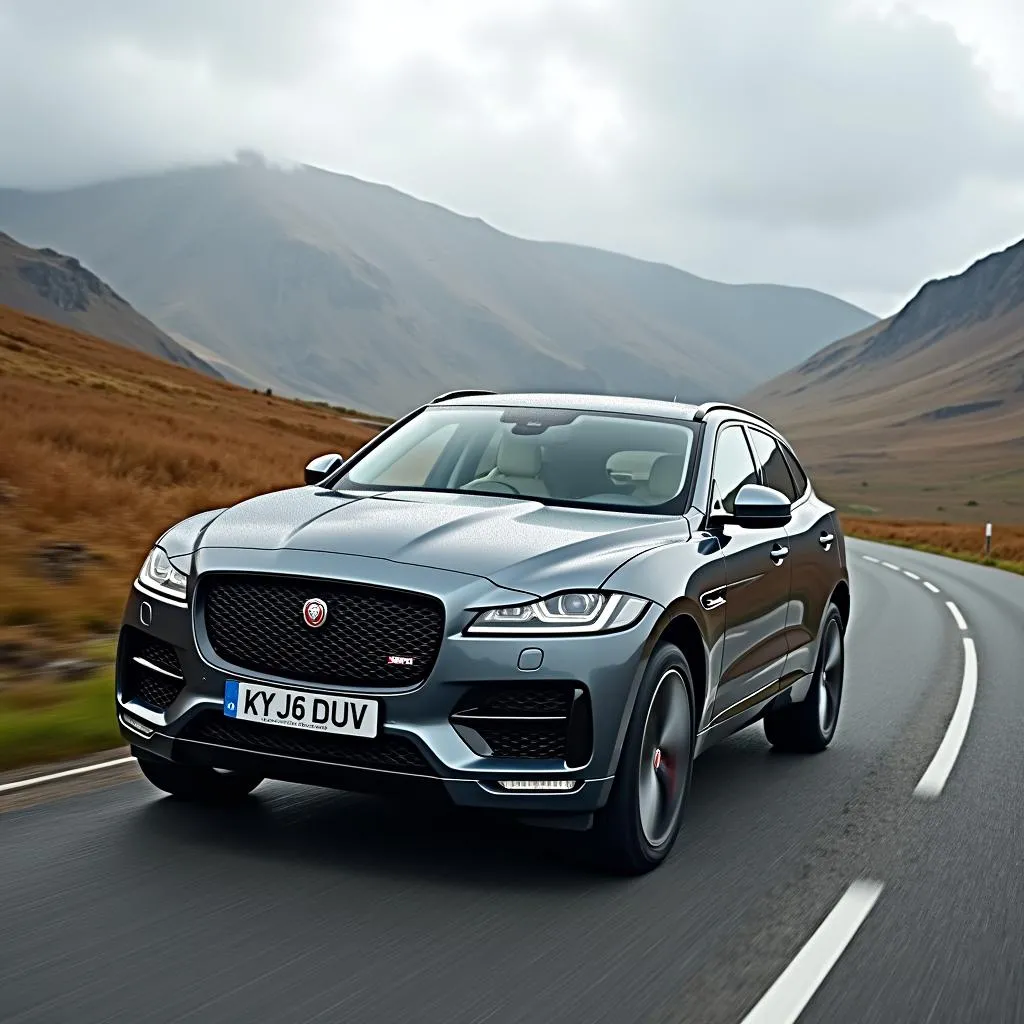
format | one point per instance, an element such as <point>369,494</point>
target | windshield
<point>559,456</point>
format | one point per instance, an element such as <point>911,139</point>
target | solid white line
<point>955,612</point>
<point>938,771</point>
<point>37,779</point>
<point>912,575</point>
<point>868,558</point>
<point>889,565</point>
<point>792,991</point>
<point>931,586</point>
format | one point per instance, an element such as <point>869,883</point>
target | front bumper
<point>606,667</point>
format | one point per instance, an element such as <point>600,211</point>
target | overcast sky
<point>856,146</point>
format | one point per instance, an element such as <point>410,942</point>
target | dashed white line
<point>889,565</point>
<point>957,617</point>
<point>785,1000</point>
<point>931,586</point>
<point>868,558</point>
<point>38,779</point>
<point>935,776</point>
<point>912,575</point>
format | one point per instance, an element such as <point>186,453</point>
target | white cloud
<point>857,146</point>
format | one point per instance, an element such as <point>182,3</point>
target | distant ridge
<point>46,283</point>
<point>322,285</point>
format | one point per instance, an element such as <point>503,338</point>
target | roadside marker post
<point>988,538</point>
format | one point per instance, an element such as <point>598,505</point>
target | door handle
<point>825,540</point>
<point>778,553</point>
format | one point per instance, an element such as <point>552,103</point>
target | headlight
<point>584,611</point>
<point>159,575</point>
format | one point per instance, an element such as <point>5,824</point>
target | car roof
<point>588,403</point>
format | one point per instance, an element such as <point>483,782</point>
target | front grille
<point>525,739</point>
<point>394,753</point>
<point>256,623</point>
<point>552,700</point>
<point>142,683</point>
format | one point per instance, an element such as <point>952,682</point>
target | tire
<point>198,785</point>
<point>634,832</point>
<point>808,726</point>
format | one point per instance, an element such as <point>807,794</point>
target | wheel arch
<point>840,597</point>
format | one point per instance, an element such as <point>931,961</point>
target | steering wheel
<point>490,484</point>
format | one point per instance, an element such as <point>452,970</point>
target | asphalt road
<point>308,905</point>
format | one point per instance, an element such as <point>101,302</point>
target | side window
<point>772,464</point>
<point>796,469</point>
<point>734,467</point>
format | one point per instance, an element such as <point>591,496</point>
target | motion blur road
<point>306,905</point>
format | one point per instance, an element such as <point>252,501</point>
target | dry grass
<point>964,540</point>
<point>106,447</point>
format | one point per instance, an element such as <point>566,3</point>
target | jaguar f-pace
<point>541,604</point>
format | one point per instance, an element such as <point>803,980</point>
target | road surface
<point>840,887</point>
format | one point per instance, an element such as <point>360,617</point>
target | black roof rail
<point>707,407</point>
<point>467,393</point>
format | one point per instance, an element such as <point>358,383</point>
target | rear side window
<point>734,467</point>
<point>772,464</point>
<point>796,469</point>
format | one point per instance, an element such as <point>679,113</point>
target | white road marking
<point>868,558</point>
<point>931,586</point>
<point>938,771</point>
<point>38,779</point>
<point>912,575</point>
<point>785,1000</point>
<point>957,617</point>
<point>889,565</point>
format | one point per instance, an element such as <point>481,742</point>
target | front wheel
<point>198,784</point>
<point>635,830</point>
<point>808,726</point>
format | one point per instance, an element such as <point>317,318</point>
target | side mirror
<point>758,506</point>
<point>322,467</point>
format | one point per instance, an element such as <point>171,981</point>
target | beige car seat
<point>518,465</point>
<point>664,481</point>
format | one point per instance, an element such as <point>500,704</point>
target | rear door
<point>814,550</point>
<point>756,594</point>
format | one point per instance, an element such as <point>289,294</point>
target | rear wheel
<point>636,829</point>
<point>198,784</point>
<point>808,726</point>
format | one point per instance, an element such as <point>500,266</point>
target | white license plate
<point>320,712</point>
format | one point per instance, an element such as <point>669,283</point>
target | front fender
<point>184,537</point>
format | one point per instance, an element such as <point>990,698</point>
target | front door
<point>814,552</point>
<point>756,593</point>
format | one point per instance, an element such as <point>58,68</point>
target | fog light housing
<point>538,785</point>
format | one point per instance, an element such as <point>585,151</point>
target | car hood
<point>515,543</point>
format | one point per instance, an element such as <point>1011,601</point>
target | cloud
<point>858,146</point>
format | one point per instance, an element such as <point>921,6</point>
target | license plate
<point>320,712</point>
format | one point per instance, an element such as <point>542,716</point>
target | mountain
<point>47,284</point>
<point>923,413</point>
<point>325,286</point>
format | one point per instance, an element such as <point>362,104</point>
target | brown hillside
<point>105,447</point>
<point>923,414</point>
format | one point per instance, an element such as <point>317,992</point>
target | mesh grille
<point>256,623</point>
<point>525,739</point>
<point>140,683</point>
<point>160,654</point>
<point>159,691</point>
<point>553,700</point>
<point>386,752</point>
